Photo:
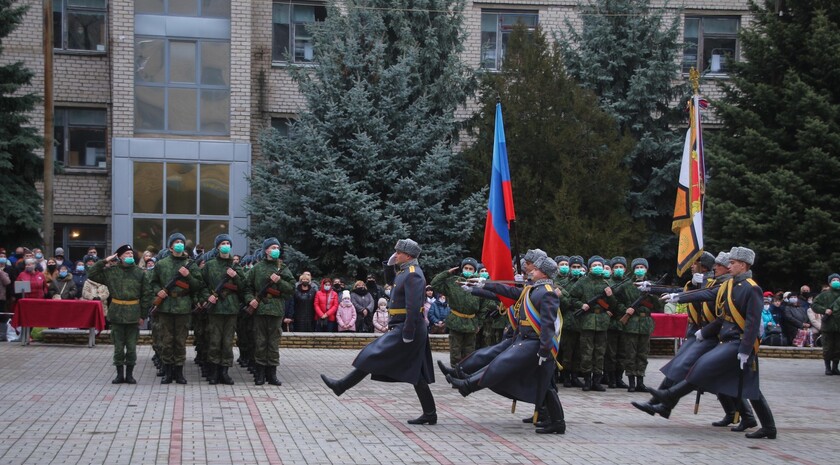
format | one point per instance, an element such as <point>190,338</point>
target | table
<point>670,325</point>
<point>48,313</point>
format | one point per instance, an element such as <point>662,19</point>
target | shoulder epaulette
<point>548,287</point>
<point>752,282</point>
<point>411,269</point>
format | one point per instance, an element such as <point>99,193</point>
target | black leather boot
<point>631,387</point>
<point>576,382</point>
<point>557,423</point>
<point>160,370</point>
<point>464,386</point>
<point>224,377</point>
<point>728,404</point>
<point>611,379</point>
<point>747,417</point>
<point>120,378</point>
<point>640,384</point>
<point>619,380</point>
<point>259,375</point>
<point>669,397</point>
<point>765,417</point>
<point>834,369</point>
<point>596,383</point>
<point>271,376</point>
<point>446,370</point>
<point>129,374</point>
<point>179,374</point>
<point>604,379</point>
<point>587,382</point>
<point>213,374</point>
<point>653,409</point>
<point>338,386</point>
<point>167,374</point>
<point>427,403</point>
<point>567,378</point>
<point>828,367</point>
<point>542,415</point>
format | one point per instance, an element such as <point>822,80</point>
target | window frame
<point>199,8</point>
<point>62,34</point>
<point>701,38</point>
<point>500,35</point>
<point>198,86</point>
<point>62,156</point>
<point>276,56</point>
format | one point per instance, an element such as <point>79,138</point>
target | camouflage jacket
<point>274,302</point>
<point>126,287</point>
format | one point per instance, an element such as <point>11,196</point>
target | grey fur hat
<point>547,265</point>
<point>470,261</point>
<point>561,258</point>
<point>619,260</point>
<point>742,254</point>
<point>722,259</point>
<point>533,254</point>
<point>576,259</point>
<point>707,260</point>
<point>595,258</point>
<point>221,238</point>
<point>832,276</point>
<point>174,237</point>
<point>269,242</point>
<point>639,261</point>
<point>409,247</point>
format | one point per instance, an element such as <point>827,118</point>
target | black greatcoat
<point>389,358</point>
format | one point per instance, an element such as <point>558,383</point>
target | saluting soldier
<point>177,281</point>
<point>125,282</point>
<point>221,272</point>
<point>403,353</point>
<point>461,321</point>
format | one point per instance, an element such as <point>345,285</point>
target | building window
<point>79,25</point>
<point>711,43</point>
<point>292,41</point>
<point>202,8</point>
<point>495,32</point>
<point>77,239</point>
<point>190,198</point>
<point>80,135</point>
<point>182,86</point>
<point>282,125</point>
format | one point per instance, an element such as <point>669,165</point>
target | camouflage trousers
<point>593,346</point>
<point>612,357</point>
<point>124,337</point>
<point>267,333</point>
<point>570,346</point>
<point>220,330</point>
<point>173,337</point>
<point>461,344</point>
<point>635,353</point>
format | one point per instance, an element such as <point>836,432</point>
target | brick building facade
<point>159,107</point>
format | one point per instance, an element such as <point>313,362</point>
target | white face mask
<point>442,300</point>
<point>327,287</point>
<point>794,300</point>
<point>383,308</point>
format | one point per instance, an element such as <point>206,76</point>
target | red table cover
<point>669,325</point>
<point>48,313</point>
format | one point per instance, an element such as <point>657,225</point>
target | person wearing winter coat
<point>93,290</point>
<point>37,280</point>
<point>381,317</point>
<point>79,277</point>
<point>62,287</point>
<point>304,305</point>
<point>437,315</point>
<point>363,301</point>
<point>326,305</point>
<point>346,314</point>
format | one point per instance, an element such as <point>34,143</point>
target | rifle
<point>206,306</point>
<point>262,294</point>
<point>643,300</point>
<point>177,281</point>
<point>601,299</point>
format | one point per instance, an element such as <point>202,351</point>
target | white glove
<point>671,298</point>
<point>392,260</point>
<point>643,286</point>
<point>541,360</point>
<point>697,278</point>
<point>466,287</point>
<point>407,340</point>
<point>520,278</point>
<point>742,358</point>
<point>699,335</point>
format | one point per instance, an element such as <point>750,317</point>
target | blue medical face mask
<point>564,269</point>
<point>80,268</point>
<point>225,249</point>
<point>275,253</point>
<point>639,272</point>
<point>597,270</point>
<point>618,272</point>
<point>128,260</point>
<point>467,274</point>
<point>62,274</point>
<point>178,248</point>
<point>484,275</point>
<point>835,284</point>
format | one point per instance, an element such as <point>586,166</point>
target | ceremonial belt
<point>643,314</point>
<point>125,302</point>
<point>596,310</point>
<point>734,313</point>
<point>462,315</point>
<point>513,317</point>
<point>532,319</point>
<point>400,311</point>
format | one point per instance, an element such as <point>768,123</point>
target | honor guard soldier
<point>225,280</point>
<point>125,282</point>
<point>269,284</point>
<point>403,353</point>
<point>175,284</point>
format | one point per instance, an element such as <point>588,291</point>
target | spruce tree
<point>564,153</point>
<point>370,159</point>
<point>774,166</point>
<point>20,166</point>
<point>628,54</point>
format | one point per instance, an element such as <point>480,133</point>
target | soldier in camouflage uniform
<point>461,321</point>
<point>185,287</point>
<point>245,326</point>
<point>570,339</point>
<point>125,284</point>
<point>198,323</point>
<point>638,329</point>
<point>615,334</point>
<point>594,321</point>
<point>220,271</point>
<point>273,277</point>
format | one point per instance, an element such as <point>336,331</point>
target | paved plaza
<point>57,405</point>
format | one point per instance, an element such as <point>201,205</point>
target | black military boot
<point>640,384</point>
<point>129,374</point>
<point>542,415</point>
<point>728,404</point>
<point>465,386</point>
<point>224,376</point>
<point>834,369</point>
<point>556,423</point>
<point>213,373</point>
<point>156,360</point>
<point>120,378</point>
<point>179,374</point>
<point>765,417</point>
<point>567,378</point>
<point>611,379</point>
<point>604,379</point>
<point>828,367</point>
<point>167,374</point>
<point>669,397</point>
<point>252,367</point>
<point>747,417</point>
<point>427,403</point>
<point>576,382</point>
<point>619,380</point>
<point>160,370</point>
<point>596,384</point>
<point>446,370</point>
<point>587,382</point>
<point>259,375</point>
<point>271,376</point>
<point>653,408</point>
<point>632,386</point>
<point>339,386</point>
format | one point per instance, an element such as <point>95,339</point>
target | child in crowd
<point>346,314</point>
<point>381,317</point>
